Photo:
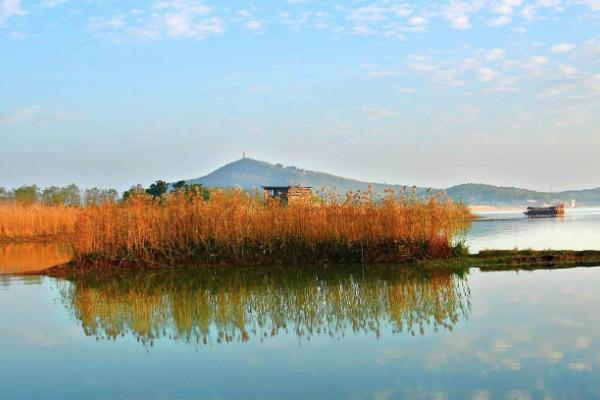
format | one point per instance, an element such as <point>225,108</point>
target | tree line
<point>72,195</point>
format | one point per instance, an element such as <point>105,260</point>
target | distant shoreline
<point>482,208</point>
<point>490,208</point>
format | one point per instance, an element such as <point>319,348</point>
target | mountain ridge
<point>250,174</point>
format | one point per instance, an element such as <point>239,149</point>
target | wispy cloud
<point>562,47</point>
<point>175,19</point>
<point>500,21</point>
<point>19,115</point>
<point>9,9</point>
<point>374,112</point>
<point>53,3</point>
<point>487,74</point>
<point>33,113</point>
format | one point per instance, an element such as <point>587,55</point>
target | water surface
<point>352,332</point>
<point>578,229</point>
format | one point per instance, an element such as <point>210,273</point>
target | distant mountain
<point>475,193</point>
<point>251,174</point>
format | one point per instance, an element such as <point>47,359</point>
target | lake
<point>578,229</point>
<point>351,332</point>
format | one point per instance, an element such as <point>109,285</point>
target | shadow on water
<point>216,305</point>
<point>27,257</point>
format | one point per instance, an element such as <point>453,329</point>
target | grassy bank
<point>490,260</point>
<point>235,227</point>
<point>496,260</point>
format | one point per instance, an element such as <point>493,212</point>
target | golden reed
<point>34,222</point>
<point>238,227</point>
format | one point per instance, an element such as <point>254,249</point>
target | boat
<point>552,211</point>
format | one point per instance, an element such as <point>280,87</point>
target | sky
<point>435,93</point>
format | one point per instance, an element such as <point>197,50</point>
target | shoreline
<point>486,261</point>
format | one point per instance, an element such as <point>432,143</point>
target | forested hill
<point>250,174</point>
<point>473,193</point>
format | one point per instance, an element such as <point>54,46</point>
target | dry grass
<point>237,227</point>
<point>28,222</point>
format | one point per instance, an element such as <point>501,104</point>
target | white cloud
<point>53,3</point>
<point>249,21</point>
<point>567,70</point>
<point>114,22</point>
<point>403,10</point>
<point>457,12</point>
<point>381,74</point>
<point>487,74</point>
<point>459,21</point>
<point>506,7</point>
<point>19,115</point>
<point>10,8</point>
<point>406,91</point>
<point>370,13</point>
<point>417,21</point>
<point>495,55</point>
<point>593,4</point>
<point>378,111</point>
<point>548,3</point>
<point>34,113</point>
<point>555,90</point>
<point>562,47</point>
<point>253,25</point>
<point>173,18</point>
<point>539,60</point>
<point>593,82</point>
<point>183,18</point>
<point>500,21</point>
<point>470,63</point>
<point>423,66</point>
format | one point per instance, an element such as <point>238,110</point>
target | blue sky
<point>111,93</point>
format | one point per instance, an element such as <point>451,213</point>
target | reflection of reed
<point>18,258</point>
<point>238,304</point>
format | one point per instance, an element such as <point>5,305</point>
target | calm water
<point>308,333</point>
<point>579,229</point>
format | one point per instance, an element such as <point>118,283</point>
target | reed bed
<point>37,221</point>
<point>241,228</point>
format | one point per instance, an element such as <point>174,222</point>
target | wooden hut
<point>289,194</point>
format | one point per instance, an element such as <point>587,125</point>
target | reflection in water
<point>17,258</point>
<point>225,305</point>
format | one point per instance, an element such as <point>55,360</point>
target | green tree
<point>179,186</point>
<point>53,195</point>
<point>133,191</point>
<point>27,194</point>
<point>198,190</point>
<point>97,196</point>
<point>72,195</point>
<point>158,188</point>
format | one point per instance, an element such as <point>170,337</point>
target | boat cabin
<point>546,211</point>
<point>289,194</point>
